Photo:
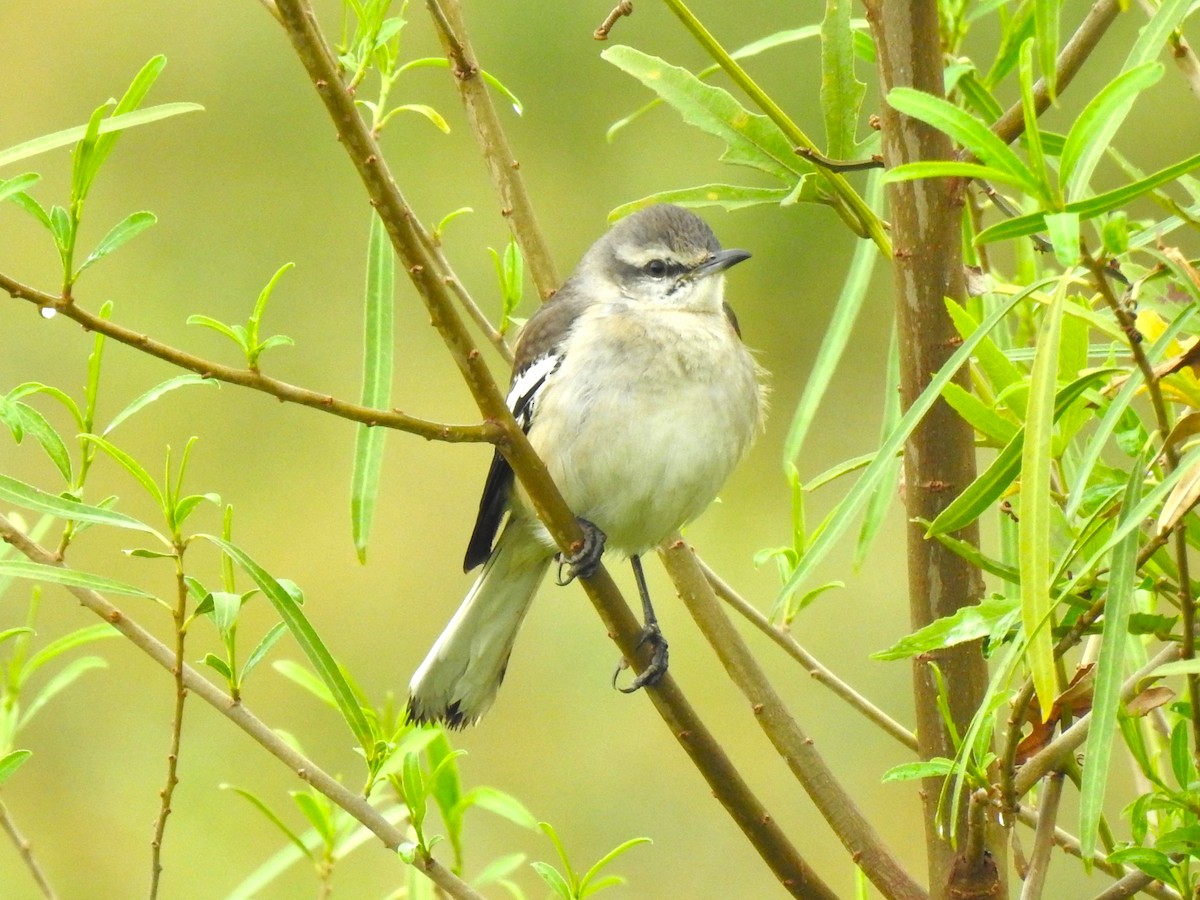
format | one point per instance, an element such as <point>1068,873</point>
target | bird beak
<point>719,262</point>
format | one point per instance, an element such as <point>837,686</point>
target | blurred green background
<point>258,180</point>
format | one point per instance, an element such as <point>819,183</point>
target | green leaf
<point>127,228</point>
<point>1033,131</point>
<point>967,131</point>
<point>1064,237</point>
<point>837,333</point>
<point>43,432</point>
<point>61,645</point>
<point>952,169</point>
<point>440,62</point>
<point>235,333</point>
<point>1153,862</point>
<point>34,571</point>
<point>29,497</point>
<point>10,762</point>
<point>970,623</point>
<point>273,819</point>
<point>938,767</point>
<point>1153,36</point>
<point>414,789</point>
<point>378,349</point>
<point>885,494</point>
<point>987,488</point>
<point>752,140</point>
<point>1034,504</point>
<point>426,112</point>
<point>1109,674</point>
<point>841,93</point>
<point>498,802</point>
<point>308,639</point>
<point>979,415</point>
<point>554,878</point>
<point>722,196</point>
<point>866,485</point>
<point>215,662</point>
<point>588,879</point>
<point>318,813</point>
<point>299,675</point>
<point>130,465</point>
<point>18,184</point>
<point>1088,207</point>
<point>259,653</point>
<point>59,683</point>
<point>1045,24</point>
<point>1099,121</point>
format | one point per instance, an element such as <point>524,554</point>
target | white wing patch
<point>522,396</point>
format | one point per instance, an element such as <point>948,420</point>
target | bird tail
<point>459,678</point>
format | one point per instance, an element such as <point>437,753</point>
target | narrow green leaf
<point>34,571</point>
<point>10,762</point>
<point>29,388</point>
<point>414,788</point>
<point>1033,131</point>
<point>554,878</point>
<point>43,432</point>
<point>308,639</point>
<point>130,101</point>
<point>1096,125</point>
<point>885,494</point>
<point>836,335</point>
<point>841,93</point>
<point>29,497</point>
<point>953,169</point>
<point>60,645</point>
<point>273,819</point>
<point>259,653</point>
<point>722,196</point>
<point>297,674</point>
<point>753,140</point>
<point>378,349</point>
<point>970,623</point>
<point>1000,371</point>
<point>235,333</point>
<point>498,802</point>
<point>1152,37</point>
<point>127,228</point>
<point>607,860</point>
<point>1034,503</point>
<point>987,488</point>
<point>979,415</point>
<point>59,683</point>
<point>1045,24</point>
<point>1109,674</point>
<point>130,465</point>
<point>966,130</point>
<point>427,112</point>
<point>318,813</point>
<point>18,184</point>
<point>939,767</point>
<point>841,517</point>
<point>219,665</point>
<point>1063,229</point>
<point>1088,207</point>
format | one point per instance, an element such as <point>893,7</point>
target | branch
<point>429,277</point>
<point>25,851</point>
<point>308,771</point>
<point>493,144</point>
<point>289,393</point>
<point>819,672</point>
<point>1043,840</point>
<point>855,831</point>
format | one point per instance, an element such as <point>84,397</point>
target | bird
<point>635,389</point>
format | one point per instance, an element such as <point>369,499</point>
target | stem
<point>819,672</point>
<point>160,823</point>
<point>1043,839</point>
<point>503,167</point>
<point>798,750</point>
<point>939,459</point>
<point>195,683</point>
<point>288,393</point>
<point>25,851</point>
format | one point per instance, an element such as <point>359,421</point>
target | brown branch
<point>1133,883</point>
<point>624,8</point>
<point>1043,839</point>
<point>234,710</point>
<point>503,167</point>
<point>25,851</point>
<point>179,615</point>
<point>1011,125</point>
<point>411,244</point>
<point>249,378</point>
<point>819,672</point>
<point>847,821</point>
<point>839,165</point>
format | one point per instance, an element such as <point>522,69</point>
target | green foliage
<point>569,885</point>
<point>247,336</point>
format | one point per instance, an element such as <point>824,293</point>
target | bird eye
<point>656,268</point>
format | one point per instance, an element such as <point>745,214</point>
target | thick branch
<point>249,378</point>
<point>355,804</point>
<point>853,829</point>
<point>493,144</point>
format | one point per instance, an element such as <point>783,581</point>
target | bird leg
<point>651,634</point>
<point>583,561</point>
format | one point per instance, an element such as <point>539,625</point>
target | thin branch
<point>1043,839</point>
<point>819,672</point>
<point>798,750</point>
<point>1069,844</point>
<point>249,378</point>
<point>404,228</point>
<point>624,8</point>
<point>1133,883</point>
<point>25,851</point>
<point>179,615</point>
<point>503,167</point>
<point>1011,125</point>
<point>308,771</point>
<point>839,165</point>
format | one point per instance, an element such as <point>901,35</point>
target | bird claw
<point>583,562</point>
<point>655,669</point>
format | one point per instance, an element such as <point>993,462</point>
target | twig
<point>819,672</point>
<point>25,851</point>
<point>1069,844</point>
<point>1186,61</point>
<point>1133,883</point>
<point>839,165</point>
<point>179,614</point>
<point>624,8</point>
<point>503,167</point>
<point>1053,754</point>
<point>1043,839</point>
<point>308,771</point>
<point>249,378</point>
<point>1011,125</point>
<point>846,820</point>
<point>404,228</point>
